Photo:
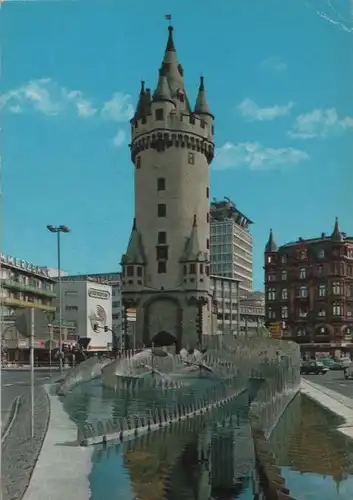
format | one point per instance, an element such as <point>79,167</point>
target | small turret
<point>336,234</point>
<point>201,106</point>
<point>192,252</point>
<point>135,254</point>
<point>271,246</point>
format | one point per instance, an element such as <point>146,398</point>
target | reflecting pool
<point>202,459</point>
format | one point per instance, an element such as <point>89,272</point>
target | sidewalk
<point>11,368</point>
<point>333,401</point>
<point>63,467</point>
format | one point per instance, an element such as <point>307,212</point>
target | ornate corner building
<point>166,268</point>
<point>309,290</point>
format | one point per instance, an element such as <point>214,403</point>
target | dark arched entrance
<point>163,338</point>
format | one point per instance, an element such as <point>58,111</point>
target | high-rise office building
<point>231,244</point>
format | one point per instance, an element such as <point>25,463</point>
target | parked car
<point>331,364</point>
<point>348,372</point>
<point>315,367</point>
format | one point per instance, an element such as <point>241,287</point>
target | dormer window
<point>159,114</point>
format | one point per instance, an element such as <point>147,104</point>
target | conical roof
<point>271,245</point>
<point>336,234</point>
<point>192,251</point>
<point>201,106</point>
<point>135,253</point>
<point>162,92</point>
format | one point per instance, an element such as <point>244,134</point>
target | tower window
<point>162,237</point>
<point>207,192</point>
<point>162,210</point>
<point>162,253</point>
<point>201,268</point>
<point>185,270</point>
<point>159,114</point>
<point>162,267</point>
<point>208,243</point>
<point>191,159</point>
<point>161,184</point>
<point>208,217</point>
<point>138,162</point>
<point>192,269</point>
<point>130,270</point>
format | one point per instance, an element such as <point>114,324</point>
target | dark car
<point>314,367</point>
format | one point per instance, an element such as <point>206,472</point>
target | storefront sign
<point>98,294</point>
<point>24,265</point>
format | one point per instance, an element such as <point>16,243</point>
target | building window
<point>336,288</point>
<point>320,269</point>
<point>321,312</point>
<point>302,273</point>
<point>322,290</point>
<point>201,268</point>
<point>161,184</point>
<point>321,253</point>
<point>207,270</point>
<point>269,259</point>
<point>283,259</point>
<point>138,162</point>
<point>192,269</point>
<point>337,309</point>
<point>303,313</point>
<point>207,192</point>
<point>303,292</point>
<point>271,313</point>
<point>162,267</point>
<point>162,238</point>
<point>284,294</point>
<point>71,308</point>
<point>191,159</point>
<point>208,243</point>
<point>271,294</point>
<point>284,275</point>
<point>271,277</point>
<point>130,271</point>
<point>162,210</point>
<point>139,272</point>
<point>284,312</point>
<point>301,332</point>
<point>159,114</point>
<point>162,253</point>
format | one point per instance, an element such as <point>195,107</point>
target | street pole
<point>32,371</point>
<point>60,303</point>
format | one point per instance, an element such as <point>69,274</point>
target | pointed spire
<point>140,108</point>
<point>271,245</point>
<point>170,43</point>
<point>135,253</point>
<point>201,106</point>
<point>162,92</point>
<point>192,251</point>
<point>336,234</point>
<point>173,70</point>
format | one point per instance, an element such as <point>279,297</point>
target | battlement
<point>173,120</point>
<point>161,139</point>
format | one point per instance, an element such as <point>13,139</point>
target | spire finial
<point>168,17</point>
<point>202,83</point>
<point>170,44</point>
<point>142,86</point>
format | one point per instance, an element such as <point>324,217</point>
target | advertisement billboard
<point>99,316</point>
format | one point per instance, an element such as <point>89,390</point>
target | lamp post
<point>58,230</point>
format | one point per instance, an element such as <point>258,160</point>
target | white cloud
<point>118,108</point>
<point>256,157</point>
<point>320,123</point>
<point>252,112</point>
<point>47,97</point>
<point>119,139</point>
<point>273,64</point>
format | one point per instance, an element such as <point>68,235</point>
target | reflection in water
<point>199,459</point>
<point>315,458</point>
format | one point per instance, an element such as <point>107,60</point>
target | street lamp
<point>58,230</point>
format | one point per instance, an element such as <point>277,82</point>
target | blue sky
<point>279,80</point>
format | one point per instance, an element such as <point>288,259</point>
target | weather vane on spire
<point>168,17</point>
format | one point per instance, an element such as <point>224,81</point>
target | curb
<point>13,414</point>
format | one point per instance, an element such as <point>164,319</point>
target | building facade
<point>309,290</point>
<point>247,320</point>
<point>87,303</point>
<point>166,266</point>
<point>114,280</point>
<point>231,244</point>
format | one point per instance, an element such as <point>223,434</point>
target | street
<point>335,381</point>
<point>15,383</point>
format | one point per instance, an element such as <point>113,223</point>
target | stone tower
<point>166,265</point>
